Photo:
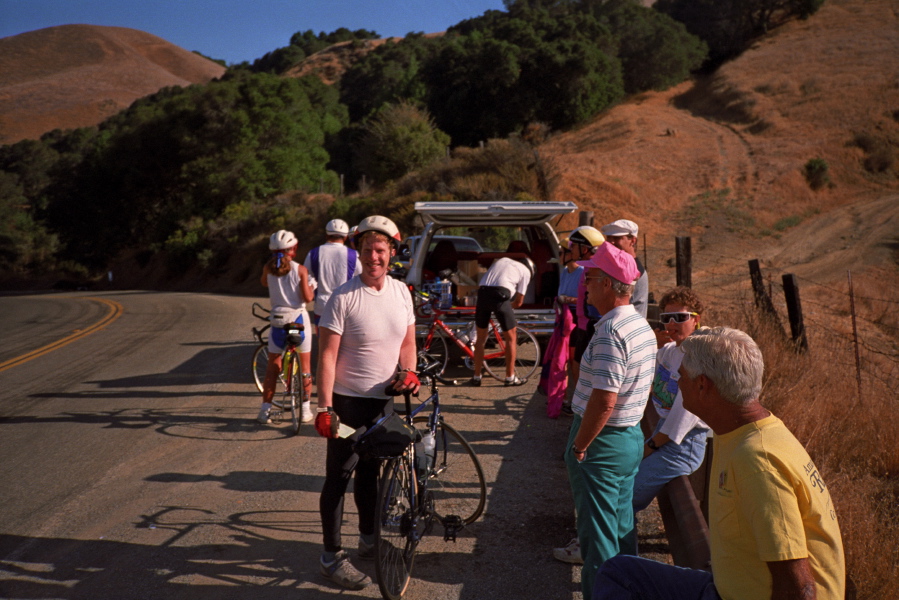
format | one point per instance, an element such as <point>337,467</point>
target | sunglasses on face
<point>677,317</point>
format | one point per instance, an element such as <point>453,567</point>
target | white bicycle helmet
<point>281,240</point>
<point>337,227</point>
<point>381,225</point>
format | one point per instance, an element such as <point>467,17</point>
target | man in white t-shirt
<point>367,342</point>
<point>501,291</point>
<point>331,265</point>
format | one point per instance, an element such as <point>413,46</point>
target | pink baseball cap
<point>617,263</point>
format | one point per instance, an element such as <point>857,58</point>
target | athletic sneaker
<point>307,412</point>
<point>475,381</point>
<point>570,554</point>
<point>514,380</point>
<point>342,572</point>
<point>264,417</point>
<point>366,551</point>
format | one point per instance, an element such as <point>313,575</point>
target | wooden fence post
<point>684,261</point>
<point>794,311</point>
<point>762,300</point>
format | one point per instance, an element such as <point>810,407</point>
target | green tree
<point>656,51</point>
<point>389,73</point>
<point>191,152</point>
<point>728,26</point>
<point>304,44</point>
<point>498,72</point>
<point>399,139</point>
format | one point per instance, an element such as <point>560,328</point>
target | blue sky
<point>239,30</point>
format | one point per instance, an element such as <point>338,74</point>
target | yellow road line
<point>115,311</point>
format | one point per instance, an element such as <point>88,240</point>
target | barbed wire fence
<point>860,323</point>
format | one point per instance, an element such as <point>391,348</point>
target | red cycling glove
<point>327,423</point>
<point>407,379</point>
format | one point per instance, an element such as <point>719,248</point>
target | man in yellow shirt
<point>773,527</point>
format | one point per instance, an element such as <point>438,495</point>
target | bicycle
<point>418,487</point>
<point>434,342</point>
<point>291,377</point>
<point>260,355</point>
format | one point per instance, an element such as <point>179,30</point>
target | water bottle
<point>424,453</point>
<point>446,294</point>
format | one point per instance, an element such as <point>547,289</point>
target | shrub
<point>400,139</point>
<point>817,173</point>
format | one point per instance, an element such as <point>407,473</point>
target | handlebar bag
<point>387,438</point>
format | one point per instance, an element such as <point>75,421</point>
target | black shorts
<point>494,300</point>
<point>580,339</point>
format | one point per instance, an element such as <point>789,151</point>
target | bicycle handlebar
<point>263,317</point>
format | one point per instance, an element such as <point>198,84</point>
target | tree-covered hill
<point>195,173</point>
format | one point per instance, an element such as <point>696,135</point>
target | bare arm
<point>792,580</point>
<point>599,408</point>
<point>305,290</point>
<point>328,345</point>
<point>265,273</point>
<point>408,351</point>
<point>408,357</point>
<point>517,300</point>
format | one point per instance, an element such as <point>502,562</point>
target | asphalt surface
<point>132,466</point>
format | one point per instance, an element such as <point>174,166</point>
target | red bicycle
<point>436,341</point>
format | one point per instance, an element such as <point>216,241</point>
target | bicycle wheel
<point>527,357</point>
<point>456,481</point>
<point>293,394</point>
<point>260,364</point>
<point>394,547</point>
<point>437,349</point>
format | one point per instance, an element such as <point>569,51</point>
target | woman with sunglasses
<point>677,446</point>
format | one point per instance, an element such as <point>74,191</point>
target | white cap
<point>337,227</point>
<point>620,227</point>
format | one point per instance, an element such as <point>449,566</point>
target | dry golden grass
<point>78,75</point>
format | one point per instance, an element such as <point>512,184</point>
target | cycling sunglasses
<point>677,317</point>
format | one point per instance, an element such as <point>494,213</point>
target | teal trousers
<point>603,489</point>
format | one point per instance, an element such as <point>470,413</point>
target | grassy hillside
<point>78,75</point>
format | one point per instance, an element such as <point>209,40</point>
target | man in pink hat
<point>606,444</point>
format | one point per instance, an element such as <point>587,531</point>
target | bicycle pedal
<point>451,526</point>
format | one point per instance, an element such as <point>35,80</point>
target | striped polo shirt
<point>621,358</point>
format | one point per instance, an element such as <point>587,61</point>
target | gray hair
<point>729,358</point>
<point>621,289</point>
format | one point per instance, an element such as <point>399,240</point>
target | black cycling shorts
<point>580,339</point>
<point>494,300</point>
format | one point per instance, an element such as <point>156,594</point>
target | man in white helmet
<point>331,264</point>
<point>367,342</point>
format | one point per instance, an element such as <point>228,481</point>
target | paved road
<point>132,467</point>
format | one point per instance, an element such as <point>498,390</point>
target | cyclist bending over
<point>501,291</point>
<point>288,292</point>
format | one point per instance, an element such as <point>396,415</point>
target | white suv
<point>514,229</point>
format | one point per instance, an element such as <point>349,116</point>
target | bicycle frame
<point>492,331</point>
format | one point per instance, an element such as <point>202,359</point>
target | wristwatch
<point>651,443</point>
<point>577,452</point>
